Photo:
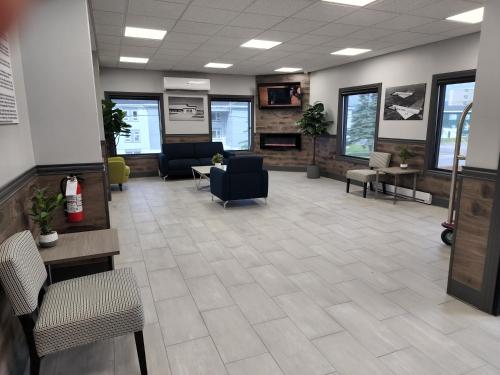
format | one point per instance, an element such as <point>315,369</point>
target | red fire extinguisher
<point>72,190</point>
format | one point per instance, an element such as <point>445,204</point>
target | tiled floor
<point>316,282</point>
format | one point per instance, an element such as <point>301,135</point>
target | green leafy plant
<point>42,209</point>
<point>217,159</point>
<point>314,124</point>
<point>405,154</point>
<point>114,125</point>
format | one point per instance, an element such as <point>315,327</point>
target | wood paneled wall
<point>14,206</point>
<point>142,165</point>
<point>186,138</point>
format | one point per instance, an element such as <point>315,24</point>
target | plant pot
<point>48,240</point>
<point>313,171</point>
<point>403,166</point>
<point>218,165</point>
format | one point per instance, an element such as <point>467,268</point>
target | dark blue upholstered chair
<point>244,178</point>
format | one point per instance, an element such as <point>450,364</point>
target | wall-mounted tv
<point>280,95</point>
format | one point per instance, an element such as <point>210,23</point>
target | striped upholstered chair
<point>368,176</point>
<point>70,313</point>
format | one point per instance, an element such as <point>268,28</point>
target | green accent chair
<point>119,172</point>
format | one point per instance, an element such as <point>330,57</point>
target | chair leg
<point>365,187</point>
<point>120,186</point>
<point>348,185</point>
<point>384,189</point>
<point>371,186</point>
<point>141,352</point>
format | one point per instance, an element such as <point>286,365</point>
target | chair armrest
<point>219,183</point>
<point>228,154</point>
<point>163,164</point>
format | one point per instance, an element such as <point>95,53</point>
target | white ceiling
<point>202,31</point>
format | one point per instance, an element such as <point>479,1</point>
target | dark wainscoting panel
<point>142,165</point>
<point>14,205</point>
<point>186,138</point>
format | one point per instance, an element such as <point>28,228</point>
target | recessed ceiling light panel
<point>139,32</point>
<point>134,60</point>
<point>350,51</point>
<point>472,16</point>
<point>218,65</point>
<point>288,70</point>
<point>260,44</point>
<point>358,3</point>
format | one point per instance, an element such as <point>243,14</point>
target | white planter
<point>218,165</point>
<point>404,166</point>
<point>48,240</point>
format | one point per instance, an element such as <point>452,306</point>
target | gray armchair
<point>368,176</point>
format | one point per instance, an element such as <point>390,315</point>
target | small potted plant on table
<point>42,211</point>
<point>217,159</point>
<point>405,155</point>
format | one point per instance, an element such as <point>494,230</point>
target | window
<point>357,125</point>
<point>451,93</point>
<point>144,114</point>
<point>231,122</point>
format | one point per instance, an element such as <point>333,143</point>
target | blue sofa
<point>244,178</point>
<point>177,159</point>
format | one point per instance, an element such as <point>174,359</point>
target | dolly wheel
<point>447,236</point>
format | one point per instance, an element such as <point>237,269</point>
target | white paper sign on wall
<point>8,104</point>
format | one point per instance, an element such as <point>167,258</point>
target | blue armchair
<point>244,178</point>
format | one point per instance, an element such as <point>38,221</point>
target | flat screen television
<point>280,95</point>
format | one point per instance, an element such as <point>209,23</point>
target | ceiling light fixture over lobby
<point>350,51</point>
<point>134,60</point>
<point>358,3</point>
<point>218,65</point>
<point>260,44</point>
<point>472,16</point>
<point>288,70</point>
<point>139,32</point>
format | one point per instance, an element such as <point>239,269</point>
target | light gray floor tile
<point>420,285</point>
<point>180,320</point>
<point>373,302</point>
<point>148,303</point>
<point>126,361</point>
<point>480,342</point>
<point>156,354</point>
<point>311,319</point>
<point>293,352</point>
<point>147,227</point>
<point>230,238</point>
<point>152,241</point>
<point>139,270</point>
<point>209,293</point>
<point>234,338</point>
<point>182,245</point>
<point>327,271</point>
<point>129,253</point>
<point>196,357</point>
<point>379,281</point>
<point>214,251</point>
<point>158,259</point>
<point>486,370</point>
<point>375,261</point>
<point>248,257</point>
<point>263,364</point>
<point>319,291</point>
<point>167,284</point>
<point>373,334</point>
<point>255,304</point>
<point>193,265</point>
<point>440,348</point>
<point>349,357</point>
<point>273,281</point>
<point>296,248</point>
<point>285,263</point>
<point>231,273</point>
<point>412,362</point>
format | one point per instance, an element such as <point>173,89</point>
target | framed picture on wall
<point>186,108</point>
<point>405,102</point>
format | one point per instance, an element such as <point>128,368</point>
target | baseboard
<point>284,168</point>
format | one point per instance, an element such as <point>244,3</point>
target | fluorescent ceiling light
<point>358,3</point>
<point>218,65</point>
<point>288,70</point>
<point>260,44</point>
<point>472,16</point>
<point>196,82</point>
<point>135,60</point>
<point>139,32</point>
<point>350,51</point>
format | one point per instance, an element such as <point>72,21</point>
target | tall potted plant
<point>42,210</point>
<point>314,124</point>
<point>114,125</point>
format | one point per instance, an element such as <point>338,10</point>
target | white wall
<point>16,148</point>
<point>148,81</point>
<point>57,59</point>
<point>99,93</point>
<point>484,137</point>
<point>416,65</point>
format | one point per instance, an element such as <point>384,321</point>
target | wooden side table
<point>80,254</point>
<point>396,172</point>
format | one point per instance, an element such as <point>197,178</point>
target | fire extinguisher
<point>72,190</point>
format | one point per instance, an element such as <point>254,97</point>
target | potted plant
<point>405,155</point>
<point>114,125</point>
<point>42,211</point>
<point>313,123</point>
<point>217,159</point>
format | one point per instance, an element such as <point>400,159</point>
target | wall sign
<point>8,104</point>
